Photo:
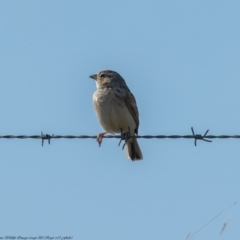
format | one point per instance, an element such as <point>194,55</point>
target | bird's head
<point>108,78</point>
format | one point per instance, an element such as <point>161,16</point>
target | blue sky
<point>180,59</point>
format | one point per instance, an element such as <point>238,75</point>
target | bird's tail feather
<point>133,150</point>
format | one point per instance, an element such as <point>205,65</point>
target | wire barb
<point>199,137</point>
<point>191,136</point>
<point>46,137</point>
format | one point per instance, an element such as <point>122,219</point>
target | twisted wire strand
<point>116,136</point>
<point>194,136</point>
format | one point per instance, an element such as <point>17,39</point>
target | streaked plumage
<point>116,109</point>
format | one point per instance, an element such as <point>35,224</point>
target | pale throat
<point>97,84</point>
<point>103,85</point>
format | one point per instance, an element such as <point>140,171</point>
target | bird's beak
<point>94,76</point>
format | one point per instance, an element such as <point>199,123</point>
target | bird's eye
<point>102,75</point>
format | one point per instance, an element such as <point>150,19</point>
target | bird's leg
<point>100,137</point>
<point>124,136</point>
<point>128,134</point>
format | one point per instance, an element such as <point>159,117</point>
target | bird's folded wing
<point>132,107</point>
<point>131,104</point>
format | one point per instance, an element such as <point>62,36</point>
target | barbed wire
<point>194,136</point>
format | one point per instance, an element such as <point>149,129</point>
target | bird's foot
<point>100,137</point>
<point>124,136</point>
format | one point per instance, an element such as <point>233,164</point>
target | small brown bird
<point>116,110</point>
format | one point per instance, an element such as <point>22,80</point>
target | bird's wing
<point>130,102</point>
<point>132,107</point>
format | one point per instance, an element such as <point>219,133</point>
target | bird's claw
<point>100,138</point>
<point>124,136</point>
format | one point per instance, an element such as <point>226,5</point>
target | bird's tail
<point>133,150</point>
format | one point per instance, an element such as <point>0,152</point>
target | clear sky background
<point>181,61</point>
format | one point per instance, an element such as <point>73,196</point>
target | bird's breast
<point>112,111</point>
